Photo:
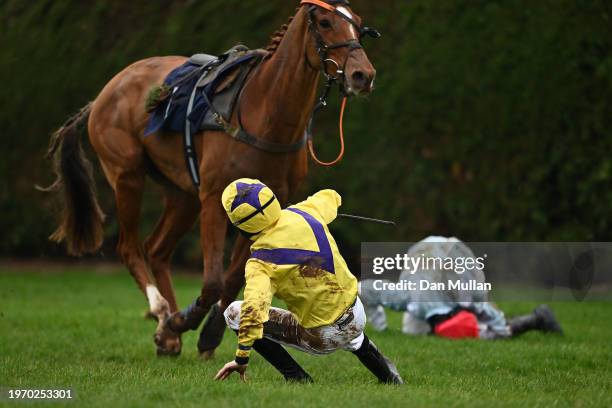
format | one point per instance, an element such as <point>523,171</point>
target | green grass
<point>83,329</point>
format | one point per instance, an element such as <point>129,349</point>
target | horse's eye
<point>325,23</point>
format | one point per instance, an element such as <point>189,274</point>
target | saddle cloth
<point>220,78</point>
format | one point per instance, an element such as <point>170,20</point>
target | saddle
<point>201,94</point>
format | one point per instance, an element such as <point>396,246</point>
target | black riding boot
<point>276,355</point>
<point>542,319</point>
<point>379,365</point>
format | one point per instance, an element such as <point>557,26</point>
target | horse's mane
<point>277,37</point>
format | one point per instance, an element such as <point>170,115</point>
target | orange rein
<point>327,7</point>
<point>341,154</point>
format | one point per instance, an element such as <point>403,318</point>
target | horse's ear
<point>371,32</point>
<point>156,96</point>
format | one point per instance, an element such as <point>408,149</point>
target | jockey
<point>295,258</point>
<point>448,313</point>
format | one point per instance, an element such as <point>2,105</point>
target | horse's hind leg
<point>180,212</point>
<point>214,327</point>
<point>122,159</point>
<point>129,187</point>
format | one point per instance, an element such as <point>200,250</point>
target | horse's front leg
<point>212,331</point>
<point>213,226</point>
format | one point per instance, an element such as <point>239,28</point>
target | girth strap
<point>242,135</point>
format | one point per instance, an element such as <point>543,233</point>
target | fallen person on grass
<point>295,258</point>
<point>449,313</point>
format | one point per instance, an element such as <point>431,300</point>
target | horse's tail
<point>82,218</point>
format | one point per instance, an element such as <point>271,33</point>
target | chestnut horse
<point>275,104</point>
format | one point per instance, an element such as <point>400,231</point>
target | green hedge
<point>491,119</point>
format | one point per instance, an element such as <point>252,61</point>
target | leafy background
<point>491,119</point>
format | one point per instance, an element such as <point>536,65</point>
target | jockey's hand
<point>229,368</point>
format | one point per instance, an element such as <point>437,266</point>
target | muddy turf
<point>82,328</point>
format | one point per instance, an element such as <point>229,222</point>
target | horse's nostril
<point>359,77</point>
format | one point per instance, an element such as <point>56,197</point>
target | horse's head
<point>336,35</point>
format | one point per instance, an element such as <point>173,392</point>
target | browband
<point>331,6</point>
<point>319,3</point>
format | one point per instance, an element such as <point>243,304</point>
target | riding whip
<point>360,218</point>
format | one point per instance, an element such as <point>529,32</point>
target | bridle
<point>323,50</point>
<point>322,47</point>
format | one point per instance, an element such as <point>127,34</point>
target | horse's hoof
<point>169,348</point>
<point>167,344</point>
<point>207,355</point>
<point>168,352</point>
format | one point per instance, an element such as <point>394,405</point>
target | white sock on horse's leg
<point>157,304</point>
